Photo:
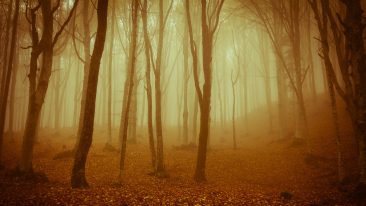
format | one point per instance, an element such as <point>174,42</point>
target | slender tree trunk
<point>78,179</point>
<point>57,80</point>
<point>302,131</point>
<point>4,98</point>
<point>185,85</point>
<point>233,117</point>
<point>76,95</point>
<point>6,48</point>
<point>310,56</point>
<point>323,30</point>
<point>110,66</point>
<point>267,81</point>
<point>148,85</point>
<point>133,111</point>
<point>87,39</point>
<point>12,95</point>
<point>130,80</point>
<point>194,121</point>
<point>160,167</point>
<point>205,96</point>
<point>37,94</point>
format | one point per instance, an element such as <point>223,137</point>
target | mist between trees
<point>187,73</point>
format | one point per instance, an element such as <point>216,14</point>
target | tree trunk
<point>5,57</point>
<point>148,85</point>
<point>110,66</point>
<point>302,131</point>
<point>57,83</point>
<point>185,85</point>
<point>4,98</point>
<point>37,93</point>
<point>267,81</point>
<point>160,167</point>
<point>130,85</point>
<point>133,111</point>
<point>323,30</point>
<point>354,29</point>
<point>208,30</point>
<point>86,45</point>
<point>12,94</point>
<point>233,117</point>
<point>78,179</point>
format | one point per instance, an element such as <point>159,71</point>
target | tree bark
<point>12,95</point>
<point>6,48</point>
<point>204,95</point>
<point>78,179</point>
<point>4,98</point>
<point>322,22</point>
<point>160,167</point>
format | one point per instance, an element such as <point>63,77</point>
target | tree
<point>234,80</point>
<point>350,50</point>
<point>287,14</point>
<point>78,179</point>
<point>321,17</point>
<point>160,167</point>
<point>37,92</point>
<point>148,84</point>
<point>209,27</point>
<point>6,46</point>
<point>129,84</point>
<point>4,97</point>
<point>185,84</point>
<point>110,66</point>
<point>86,61</point>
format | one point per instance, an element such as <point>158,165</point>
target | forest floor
<point>262,171</point>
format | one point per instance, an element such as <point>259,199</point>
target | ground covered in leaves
<point>264,170</point>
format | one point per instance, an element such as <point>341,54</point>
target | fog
<point>211,78</point>
<point>240,47</point>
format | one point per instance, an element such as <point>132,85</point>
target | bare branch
<point>54,9</point>
<point>65,23</point>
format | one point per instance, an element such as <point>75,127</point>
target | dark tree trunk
<point>204,95</point>
<point>160,167</point>
<point>354,29</point>
<point>12,95</point>
<point>322,21</point>
<point>37,92</point>
<point>6,48</point>
<point>4,97</point>
<point>78,179</point>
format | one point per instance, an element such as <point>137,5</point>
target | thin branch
<point>64,24</point>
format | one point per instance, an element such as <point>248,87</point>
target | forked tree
<point>323,26</point>
<point>348,33</point>
<point>210,21</point>
<point>38,86</point>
